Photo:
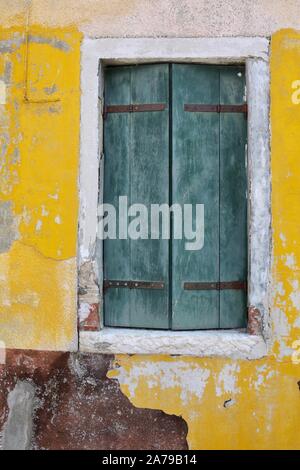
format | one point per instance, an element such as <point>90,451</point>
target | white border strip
<point>183,49</point>
<point>259,184</point>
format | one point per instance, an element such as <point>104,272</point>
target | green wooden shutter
<point>136,152</point>
<point>209,168</point>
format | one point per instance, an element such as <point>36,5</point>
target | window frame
<point>93,337</point>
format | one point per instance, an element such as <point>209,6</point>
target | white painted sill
<point>234,344</point>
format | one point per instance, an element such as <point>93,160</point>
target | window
<point>176,134</point>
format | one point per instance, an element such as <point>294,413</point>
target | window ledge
<point>233,344</point>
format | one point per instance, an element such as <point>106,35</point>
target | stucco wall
<point>254,403</point>
<point>39,200</point>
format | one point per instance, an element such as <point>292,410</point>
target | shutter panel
<point>195,180</point>
<point>136,149</point>
<point>233,199</point>
<point>209,168</point>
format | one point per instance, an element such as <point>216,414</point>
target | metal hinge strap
<point>134,108</point>
<point>236,285</point>
<point>216,108</point>
<point>133,284</point>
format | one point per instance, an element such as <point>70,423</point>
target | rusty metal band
<point>133,284</point>
<point>134,108</point>
<point>216,108</point>
<point>235,285</point>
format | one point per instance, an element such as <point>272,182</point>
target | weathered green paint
<point>209,168</point>
<point>136,165</point>
<point>204,163</point>
<point>196,181</point>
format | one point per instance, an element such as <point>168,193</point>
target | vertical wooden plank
<point>233,199</point>
<point>150,185</point>
<point>196,181</point>
<point>144,179</point>
<point>117,149</point>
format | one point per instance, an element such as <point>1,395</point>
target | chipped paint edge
<point>259,187</point>
<point>187,49</point>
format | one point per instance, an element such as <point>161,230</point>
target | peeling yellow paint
<point>263,398</point>
<point>285,127</point>
<point>39,139</point>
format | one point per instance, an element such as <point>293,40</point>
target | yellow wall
<point>39,189</point>
<point>285,153</point>
<point>38,213</point>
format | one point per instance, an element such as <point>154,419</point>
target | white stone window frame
<point>254,53</point>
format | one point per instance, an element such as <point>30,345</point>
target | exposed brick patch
<point>254,321</point>
<point>91,322</point>
<point>79,407</point>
